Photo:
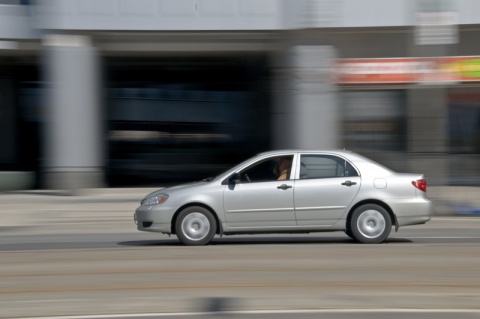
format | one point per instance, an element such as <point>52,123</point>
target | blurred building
<point>143,92</point>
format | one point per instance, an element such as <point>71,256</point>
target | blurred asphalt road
<point>111,209</point>
<point>82,255</point>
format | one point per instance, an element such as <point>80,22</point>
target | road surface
<point>425,271</point>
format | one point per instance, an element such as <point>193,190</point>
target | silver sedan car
<point>290,191</point>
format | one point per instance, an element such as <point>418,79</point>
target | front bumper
<point>154,219</point>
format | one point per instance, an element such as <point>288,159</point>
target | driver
<point>283,167</point>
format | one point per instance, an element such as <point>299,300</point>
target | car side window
<point>350,170</point>
<point>325,166</point>
<point>267,170</point>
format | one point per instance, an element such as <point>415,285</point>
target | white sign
<point>436,28</point>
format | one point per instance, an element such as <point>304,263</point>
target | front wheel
<point>370,224</point>
<point>195,226</point>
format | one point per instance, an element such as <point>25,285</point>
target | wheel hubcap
<point>371,223</point>
<point>195,226</point>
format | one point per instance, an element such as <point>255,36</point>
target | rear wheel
<point>370,224</point>
<point>195,226</point>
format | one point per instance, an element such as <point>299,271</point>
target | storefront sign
<point>408,70</point>
<point>466,69</point>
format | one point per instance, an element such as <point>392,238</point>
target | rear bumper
<point>412,212</point>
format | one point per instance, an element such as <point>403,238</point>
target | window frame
<point>345,160</point>
<point>265,159</point>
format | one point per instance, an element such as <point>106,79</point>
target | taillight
<point>421,184</point>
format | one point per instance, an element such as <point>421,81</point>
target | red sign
<point>407,70</point>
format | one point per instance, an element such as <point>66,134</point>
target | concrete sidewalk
<point>455,200</point>
<point>106,209</point>
<point>111,209</point>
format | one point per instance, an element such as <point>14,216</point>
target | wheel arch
<point>219,230</point>
<point>372,201</point>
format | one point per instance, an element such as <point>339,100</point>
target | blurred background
<point>117,93</point>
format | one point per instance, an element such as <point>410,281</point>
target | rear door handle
<point>284,186</point>
<point>349,183</point>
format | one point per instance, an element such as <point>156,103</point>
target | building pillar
<point>427,107</point>
<point>305,113</point>
<point>73,132</point>
<point>428,133</point>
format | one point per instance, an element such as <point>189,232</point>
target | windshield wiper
<point>208,179</point>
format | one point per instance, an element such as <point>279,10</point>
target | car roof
<point>357,159</point>
<point>283,151</point>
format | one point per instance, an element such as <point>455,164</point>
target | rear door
<point>326,187</point>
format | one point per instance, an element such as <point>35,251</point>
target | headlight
<point>158,199</point>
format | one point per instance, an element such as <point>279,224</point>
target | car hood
<point>175,189</point>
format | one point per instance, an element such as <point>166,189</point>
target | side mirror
<point>234,178</point>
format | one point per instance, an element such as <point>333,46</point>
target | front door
<point>259,200</point>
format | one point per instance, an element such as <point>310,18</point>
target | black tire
<point>195,226</point>
<point>349,233</point>
<point>370,224</point>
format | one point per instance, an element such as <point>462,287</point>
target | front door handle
<point>284,186</point>
<point>349,183</point>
